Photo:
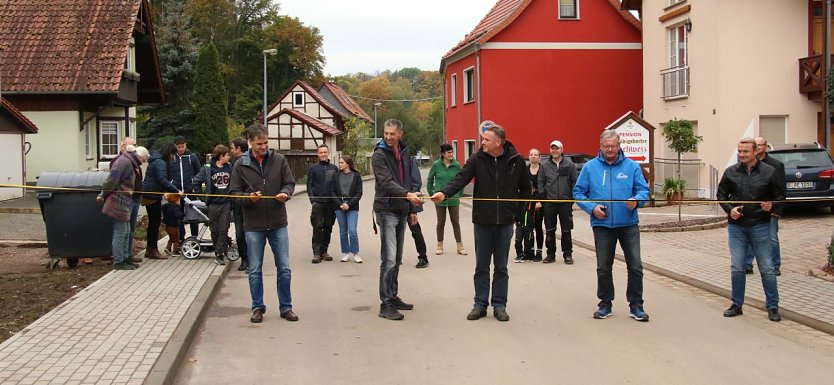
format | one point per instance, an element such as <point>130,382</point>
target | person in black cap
<point>183,168</point>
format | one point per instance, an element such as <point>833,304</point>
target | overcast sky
<point>376,35</point>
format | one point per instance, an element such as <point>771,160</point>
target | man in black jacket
<point>264,178</point>
<point>499,172</point>
<point>184,167</point>
<point>393,205</point>
<point>555,182</point>
<point>749,223</point>
<point>761,154</point>
<point>320,183</point>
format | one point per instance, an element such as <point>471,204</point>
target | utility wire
<point>395,100</point>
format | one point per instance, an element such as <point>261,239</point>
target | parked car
<point>809,172</point>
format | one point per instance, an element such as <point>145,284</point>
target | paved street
<point>551,335</point>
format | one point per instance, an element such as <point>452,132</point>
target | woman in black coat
<point>347,193</point>
<point>157,181</point>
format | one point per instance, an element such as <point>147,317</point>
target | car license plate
<point>800,185</point>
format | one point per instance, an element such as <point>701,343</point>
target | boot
<point>461,250</point>
<point>154,254</point>
<point>173,240</point>
<point>439,248</point>
<point>538,257</point>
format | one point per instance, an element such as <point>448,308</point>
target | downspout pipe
<point>478,84</point>
<point>826,107</point>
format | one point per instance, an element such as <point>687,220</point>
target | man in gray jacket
<point>556,180</point>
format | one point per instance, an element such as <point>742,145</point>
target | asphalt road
<point>551,337</point>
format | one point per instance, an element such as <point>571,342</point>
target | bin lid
<point>80,179</point>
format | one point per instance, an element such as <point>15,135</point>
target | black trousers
<point>240,235</point>
<point>322,218</point>
<point>419,241</point>
<point>154,221</point>
<point>563,212</point>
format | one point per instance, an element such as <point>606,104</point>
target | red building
<point>544,70</point>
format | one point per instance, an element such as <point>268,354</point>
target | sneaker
<point>356,258</point>
<point>476,313</point>
<point>500,314</point>
<point>519,259</point>
<point>569,259</point>
<point>733,311</point>
<point>603,312</point>
<point>538,256</point>
<point>773,315</point>
<point>389,312</point>
<point>345,257</point>
<point>638,314</point>
<point>123,266</point>
<point>399,304</point>
<point>220,260</point>
<point>422,263</point>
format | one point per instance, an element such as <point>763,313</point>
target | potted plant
<point>673,190</point>
<point>681,137</point>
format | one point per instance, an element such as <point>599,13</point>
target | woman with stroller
<point>348,190</point>
<point>157,181</point>
<point>216,175</point>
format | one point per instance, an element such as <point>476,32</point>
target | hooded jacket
<point>390,189</point>
<point>271,178</point>
<point>501,177</point>
<point>439,176</point>
<point>621,180</point>
<point>183,169</point>
<point>556,182</point>
<point>217,181</point>
<point>156,178</point>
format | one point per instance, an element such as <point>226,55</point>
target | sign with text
<point>635,139</point>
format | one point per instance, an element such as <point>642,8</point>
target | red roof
<point>27,126</point>
<point>66,45</point>
<point>346,101</point>
<point>503,13</point>
<point>308,120</point>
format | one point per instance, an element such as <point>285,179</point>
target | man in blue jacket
<point>617,183</point>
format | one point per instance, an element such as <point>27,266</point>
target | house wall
<point>743,66</point>
<point>567,87</point>
<point>58,145</point>
<point>12,170</point>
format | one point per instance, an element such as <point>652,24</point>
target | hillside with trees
<point>211,59</point>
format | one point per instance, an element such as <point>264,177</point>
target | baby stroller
<point>193,246</point>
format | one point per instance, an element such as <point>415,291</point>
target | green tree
<point>177,50</point>
<point>681,137</point>
<point>210,107</point>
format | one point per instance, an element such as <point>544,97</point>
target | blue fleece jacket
<point>621,180</point>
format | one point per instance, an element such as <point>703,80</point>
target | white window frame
<point>453,90</point>
<point>295,96</point>
<point>455,149</point>
<point>88,141</point>
<point>575,15</point>
<point>467,84</point>
<point>677,73</point>
<point>469,148</point>
<point>101,133</point>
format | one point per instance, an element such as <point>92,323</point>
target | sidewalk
<point>129,327</point>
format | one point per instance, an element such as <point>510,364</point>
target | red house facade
<point>544,70</point>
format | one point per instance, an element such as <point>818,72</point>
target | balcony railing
<point>810,76</point>
<point>675,82</point>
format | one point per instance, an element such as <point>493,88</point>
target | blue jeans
<point>757,236</point>
<point>391,234</point>
<point>776,252</point>
<point>605,243</point>
<point>347,230</point>
<point>279,242</point>
<point>492,244</point>
<point>121,240</point>
<point>134,212</point>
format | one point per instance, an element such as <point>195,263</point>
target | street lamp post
<point>271,51</point>
<point>377,104</point>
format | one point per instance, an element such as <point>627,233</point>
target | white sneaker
<point>356,258</point>
<point>346,257</point>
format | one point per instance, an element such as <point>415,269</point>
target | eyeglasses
<point>610,147</point>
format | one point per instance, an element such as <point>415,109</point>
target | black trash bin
<point>75,226</point>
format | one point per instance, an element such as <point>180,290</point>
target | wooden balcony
<point>811,81</point>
